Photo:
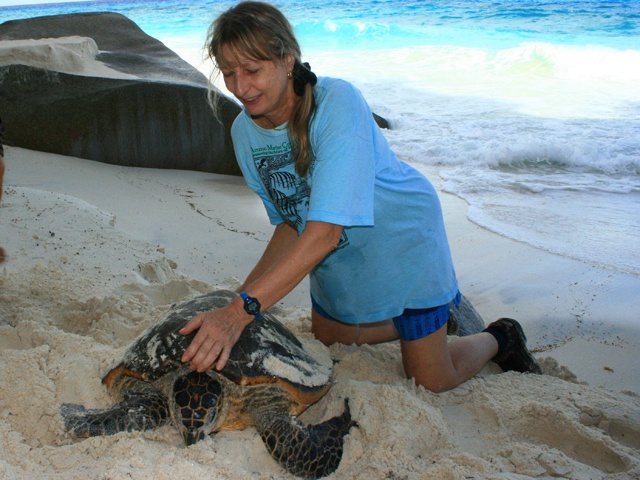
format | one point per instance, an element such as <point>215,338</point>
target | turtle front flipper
<point>310,451</point>
<point>143,407</point>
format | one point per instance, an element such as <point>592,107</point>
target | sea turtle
<point>268,380</point>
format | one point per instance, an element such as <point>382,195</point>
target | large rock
<point>464,319</point>
<point>146,106</point>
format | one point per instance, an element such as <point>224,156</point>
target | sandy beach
<point>98,252</point>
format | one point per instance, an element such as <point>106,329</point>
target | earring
<point>289,74</point>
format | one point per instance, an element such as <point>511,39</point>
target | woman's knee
<point>322,328</point>
<point>435,382</point>
<point>428,362</point>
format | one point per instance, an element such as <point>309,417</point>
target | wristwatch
<point>251,305</point>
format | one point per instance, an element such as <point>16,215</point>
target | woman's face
<point>262,86</point>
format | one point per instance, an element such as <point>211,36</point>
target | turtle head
<point>196,401</point>
<point>193,435</point>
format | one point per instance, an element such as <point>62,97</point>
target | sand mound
<point>74,55</point>
<point>76,291</point>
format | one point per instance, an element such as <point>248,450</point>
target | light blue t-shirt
<point>394,253</point>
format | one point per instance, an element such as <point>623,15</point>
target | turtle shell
<point>266,351</point>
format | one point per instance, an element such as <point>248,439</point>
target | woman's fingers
<point>201,345</point>
<point>206,355</point>
<point>192,325</point>
<point>217,334</point>
<point>222,359</point>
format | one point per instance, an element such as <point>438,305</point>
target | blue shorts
<point>413,323</point>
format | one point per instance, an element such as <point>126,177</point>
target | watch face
<point>253,307</point>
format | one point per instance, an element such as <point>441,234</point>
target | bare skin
<point>432,361</point>
<point>263,87</point>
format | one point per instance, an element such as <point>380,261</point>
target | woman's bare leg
<point>332,331</point>
<point>432,361</point>
<point>439,365</point>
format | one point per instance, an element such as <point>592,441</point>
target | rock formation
<point>151,111</point>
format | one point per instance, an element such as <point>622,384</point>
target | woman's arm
<point>283,238</point>
<point>279,270</point>
<point>316,242</point>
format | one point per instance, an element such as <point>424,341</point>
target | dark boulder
<point>464,319</point>
<point>381,121</point>
<point>159,119</point>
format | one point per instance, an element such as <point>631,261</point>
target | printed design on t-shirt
<point>288,192</point>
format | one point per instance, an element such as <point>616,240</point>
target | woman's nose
<point>240,85</point>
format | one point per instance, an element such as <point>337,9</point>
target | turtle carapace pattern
<point>269,379</point>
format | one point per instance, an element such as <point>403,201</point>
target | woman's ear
<point>290,61</point>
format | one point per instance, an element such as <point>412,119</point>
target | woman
<point>366,227</point>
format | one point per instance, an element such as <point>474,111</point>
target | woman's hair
<point>260,31</point>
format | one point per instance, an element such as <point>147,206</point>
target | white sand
<point>99,252</point>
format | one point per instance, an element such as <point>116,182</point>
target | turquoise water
<point>529,110</point>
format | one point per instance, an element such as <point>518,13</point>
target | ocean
<point>529,110</point>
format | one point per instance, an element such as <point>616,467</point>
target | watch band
<point>251,305</point>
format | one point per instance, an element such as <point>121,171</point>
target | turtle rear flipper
<point>141,410</point>
<point>310,451</point>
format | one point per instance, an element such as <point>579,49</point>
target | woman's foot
<point>512,353</point>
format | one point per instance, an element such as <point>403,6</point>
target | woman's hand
<point>218,332</point>
<point>286,261</point>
